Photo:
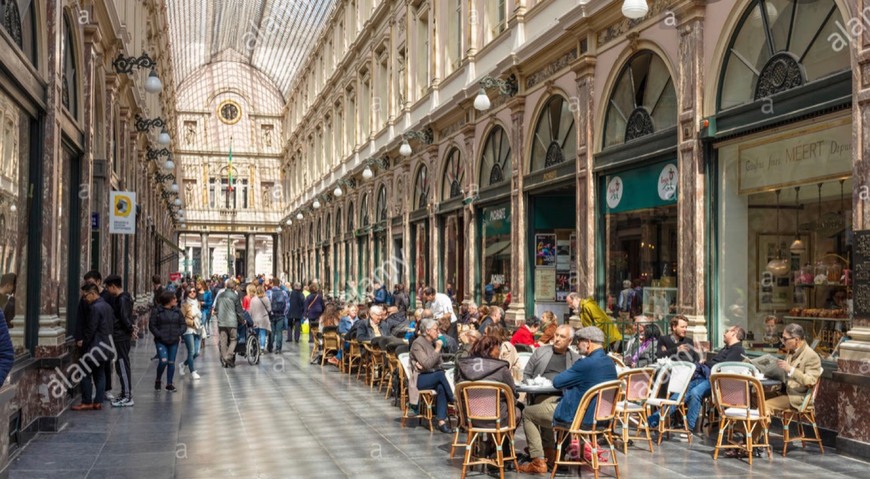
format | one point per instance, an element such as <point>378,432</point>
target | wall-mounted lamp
<point>163,139</point>
<point>299,216</point>
<point>127,65</point>
<point>426,136</point>
<point>177,202</point>
<point>174,188</point>
<point>508,87</point>
<point>161,178</point>
<point>153,154</point>
<point>169,165</point>
<point>635,9</point>
<point>337,192</point>
<point>316,204</point>
<point>144,124</point>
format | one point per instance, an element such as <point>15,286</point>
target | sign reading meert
<point>812,154</point>
<point>122,218</point>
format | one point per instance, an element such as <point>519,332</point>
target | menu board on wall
<point>807,155</point>
<point>861,274</point>
<point>545,284</point>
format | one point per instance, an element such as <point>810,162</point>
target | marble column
<point>250,256</point>
<point>692,257</point>
<point>469,216</point>
<point>516,312</point>
<point>206,255</point>
<point>584,117</point>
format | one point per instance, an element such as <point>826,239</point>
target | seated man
<point>548,361</point>
<point>395,324</point>
<point>371,328</point>
<point>526,333</point>
<point>699,387</point>
<point>802,366</point>
<point>676,345</point>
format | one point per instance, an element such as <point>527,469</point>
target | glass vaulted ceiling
<point>273,36</point>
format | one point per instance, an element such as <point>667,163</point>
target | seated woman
<point>425,359</point>
<point>548,326</point>
<point>349,317</point>
<point>644,353</point>
<point>483,364</point>
<point>507,351</point>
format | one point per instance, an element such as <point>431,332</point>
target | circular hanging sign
<point>667,185</point>
<point>614,192</point>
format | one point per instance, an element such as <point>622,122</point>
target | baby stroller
<point>249,344</point>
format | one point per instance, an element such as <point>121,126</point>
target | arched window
<point>780,45</point>
<point>327,230</point>
<point>381,208</point>
<point>20,26</point>
<point>364,212</point>
<point>228,190</point>
<point>70,80</point>
<point>643,100</point>
<point>350,218</point>
<point>319,233</point>
<point>311,235</point>
<point>454,175</point>
<point>495,166</point>
<point>555,137</point>
<point>338,223</point>
<point>421,188</point>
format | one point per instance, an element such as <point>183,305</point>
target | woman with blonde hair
<point>192,335</point>
<point>260,309</point>
<point>548,326</point>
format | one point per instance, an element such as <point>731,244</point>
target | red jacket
<point>523,336</point>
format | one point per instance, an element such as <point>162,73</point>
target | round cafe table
<point>533,391</point>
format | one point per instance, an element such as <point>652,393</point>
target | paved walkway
<point>285,418</point>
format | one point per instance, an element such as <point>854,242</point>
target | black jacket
<point>123,323</point>
<point>401,301</point>
<point>297,304</point>
<point>395,324</point>
<point>667,348</point>
<point>167,325</point>
<point>97,332</point>
<point>487,369</point>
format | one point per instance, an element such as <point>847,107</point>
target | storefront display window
<point>785,210</point>
<point>14,210</point>
<point>496,273</point>
<point>640,236</point>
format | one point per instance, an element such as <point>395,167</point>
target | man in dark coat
<point>122,332</point>
<point>295,312</point>
<point>97,347</point>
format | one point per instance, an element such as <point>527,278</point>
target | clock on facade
<point>229,112</point>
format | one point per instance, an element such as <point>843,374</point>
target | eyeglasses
<point>785,339</point>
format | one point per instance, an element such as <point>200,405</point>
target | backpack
<point>279,304</point>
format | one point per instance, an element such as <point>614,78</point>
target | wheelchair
<point>249,347</point>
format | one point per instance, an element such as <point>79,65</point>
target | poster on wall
<point>563,285</point>
<point>545,250</point>
<point>122,218</point>
<point>572,252</point>
<point>563,254</point>
<point>545,284</point>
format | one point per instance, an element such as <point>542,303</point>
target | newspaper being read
<point>766,364</point>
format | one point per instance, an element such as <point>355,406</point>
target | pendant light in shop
<point>778,267</point>
<point>797,246</point>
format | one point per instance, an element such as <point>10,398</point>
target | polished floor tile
<point>285,418</point>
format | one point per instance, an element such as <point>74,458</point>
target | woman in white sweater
<point>192,335</point>
<point>260,307</point>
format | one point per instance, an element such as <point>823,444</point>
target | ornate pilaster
<point>205,255</point>
<point>692,256</point>
<point>516,312</point>
<point>469,217</point>
<point>585,229</point>
<point>250,256</point>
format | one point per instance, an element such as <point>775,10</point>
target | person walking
<point>207,303</point>
<point>122,334</point>
<point>280,303</point>
<point>313,308</point>
<point>260,309</point>
<point>96,343</point>
<point>167,326</point>
<point>229,313</point>
<point>192,337</point>
<point>296,312</point>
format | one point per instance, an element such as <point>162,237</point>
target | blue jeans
<point>263,333</point>
<point>698,390</point>
<point>166,360</point>
<point>193,343</point>
<point>278,333</point>
<point>95,379</point>
<point>206,313</point>
<point>438,381</point>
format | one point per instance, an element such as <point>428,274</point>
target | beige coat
<point>259,311</point>
<point>508,352</point>
<point>807,370</point>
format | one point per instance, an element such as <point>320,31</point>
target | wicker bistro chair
<point>313,332</point>
<point>606,395</point>
<point>637,389</point>
<point>807,412</point>
<point>426,402</point>
<point>353,356</point>
<point>620,364</point>
<point>708,409</point>
<point>331,343</point>
<point>733,395</point>
<point>678,375</point>
<point>481,406</point>
<point>375,366</point>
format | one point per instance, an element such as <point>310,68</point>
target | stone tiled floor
<point>287,419</point>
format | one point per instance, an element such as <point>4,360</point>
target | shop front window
<point>495,166</point>
<point>421,188</point>
<point>555,137</point>
<point>14,210</point>
<point>454,176</point>
<point>786,210</point>
<point>640,241</point>
<point>496,272</point>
